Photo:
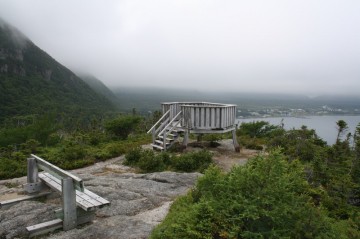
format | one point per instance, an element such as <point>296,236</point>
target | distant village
<point>289,112</point>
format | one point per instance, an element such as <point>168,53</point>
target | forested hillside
<point>100,88</point>
<point>32,82</point>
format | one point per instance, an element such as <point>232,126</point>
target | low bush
<point>133,156</point>
<point>267,198</point>
<point>149,161</point>
<point>122,126</point>
<point>193,161</point>
<point>10,168</point>
<point>212,139</point>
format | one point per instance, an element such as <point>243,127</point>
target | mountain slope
<point>100,88</point>
<point>32,82</point>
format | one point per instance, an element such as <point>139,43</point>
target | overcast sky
<point>297,46</point>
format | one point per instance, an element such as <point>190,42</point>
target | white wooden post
<point>32,171</point>
<point>153,135</point>
<point>33,184</point>
<point>164,140</point>
<point>236,144</point>
<point>186,138</point>
<point>69,204</point>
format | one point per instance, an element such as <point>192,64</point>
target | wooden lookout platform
<point>192,117</point>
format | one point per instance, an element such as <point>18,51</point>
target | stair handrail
<point>162,117</point>
<point>173,119</point>
<point>174,126</point>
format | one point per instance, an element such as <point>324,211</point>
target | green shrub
<point>193,161</point>
<point>212,139</point>
<point>72,152</point>
<point>31,146</point>
<point>10,168</point>
<point>251,143</point>
<point>133,156</point>
<point>149,162</point>
<point>203,159</point>
<point>256,129</point>
<point>266,198</point>
<point>76,163</point>
<point>122,126</point>
<point>165,158</point>
<point>115,149</point>
<point>184,163</point>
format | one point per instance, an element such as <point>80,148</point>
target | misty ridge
<point>281,47</point>
<point>17,37</point>
<point>148,98</point>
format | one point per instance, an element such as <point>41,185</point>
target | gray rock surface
<point>138,203</point>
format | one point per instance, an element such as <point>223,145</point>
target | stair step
<point>157,146</point>
<point>169,134</point>
<point>178,130</point>
<point>161,142</point>
<point>168,139</point>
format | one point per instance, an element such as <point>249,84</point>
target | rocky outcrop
<point>138,203</point>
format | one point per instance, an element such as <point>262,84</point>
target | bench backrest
<point>58,172</point>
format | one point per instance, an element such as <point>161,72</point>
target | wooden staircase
<point>166,131</point>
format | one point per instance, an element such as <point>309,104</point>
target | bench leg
<point>69,204</point>
<point>236,144</point>
<point>186,138</point>
<point>82,215</point>
<point>33,184</point>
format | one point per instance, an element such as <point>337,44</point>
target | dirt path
<point>226,157</point>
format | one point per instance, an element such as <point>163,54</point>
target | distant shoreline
<point>300,117</point>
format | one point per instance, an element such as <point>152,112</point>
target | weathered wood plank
<point>157,146</point>
<point>82,199</point>
<point>102,200</point>
<point>44,227</point>
<point>10,202</point>
<point>54,170</point>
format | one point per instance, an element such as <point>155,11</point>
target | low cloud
<point>265,46</point>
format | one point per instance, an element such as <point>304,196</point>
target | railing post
<point>236,144</point>
<point>186,137</point>
<point>33,184</point>
<point>164,140</point>
<point>153,135</point>
<point>69,204</point>
<point>32,171</point>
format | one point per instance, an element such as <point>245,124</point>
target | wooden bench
<point>78,203</point>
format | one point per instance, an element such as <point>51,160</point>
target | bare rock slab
<point>138,203</point>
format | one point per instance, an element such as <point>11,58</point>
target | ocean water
<point>325,126</point>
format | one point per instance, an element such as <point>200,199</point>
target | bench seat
<point>86,200</point>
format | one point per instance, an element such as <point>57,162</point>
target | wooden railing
<point>162,122</point>
<point>174,122</point>
<point>203,115</point>
<point>208,117</point>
